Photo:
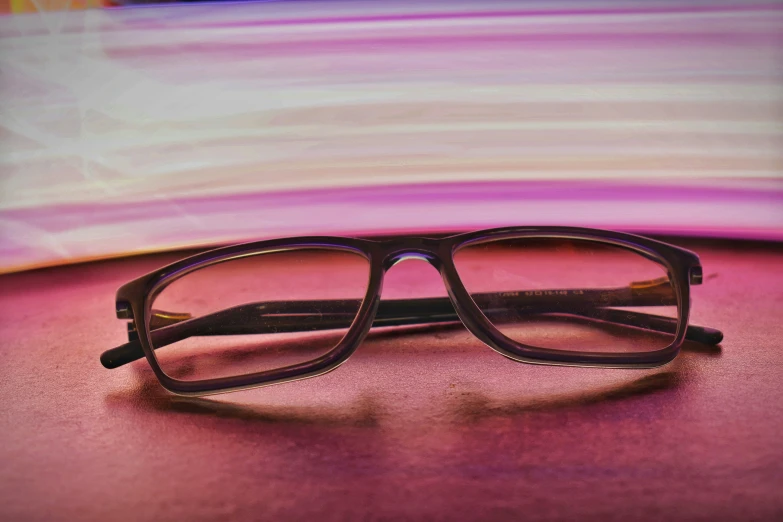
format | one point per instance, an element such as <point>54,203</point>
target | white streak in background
<point>50,243</point>
<point>162,104</point>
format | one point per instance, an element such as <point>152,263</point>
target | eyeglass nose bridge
<point>424,249</point>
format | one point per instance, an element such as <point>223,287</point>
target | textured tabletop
<point>429,424</point>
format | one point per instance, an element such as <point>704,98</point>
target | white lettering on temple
<point>535,293</point>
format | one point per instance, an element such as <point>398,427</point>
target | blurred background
<point>136,128</point>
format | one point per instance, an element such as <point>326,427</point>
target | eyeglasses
<point>274,311</point>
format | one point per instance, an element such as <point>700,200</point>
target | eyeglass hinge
<point>696,275</point>
<point>132,333</point>
<point>124,310</point>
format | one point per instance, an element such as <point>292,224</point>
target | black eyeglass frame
<point>134,300</point>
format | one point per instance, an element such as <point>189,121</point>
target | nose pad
<point>413,257</point>
<point>415,297</point>
<point>413,276</point>
<point>399,257</point>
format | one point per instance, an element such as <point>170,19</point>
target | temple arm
<point>298,316</point>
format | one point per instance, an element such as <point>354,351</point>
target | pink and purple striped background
<point>139,129</point>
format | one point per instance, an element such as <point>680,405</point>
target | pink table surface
<point>428,425</point>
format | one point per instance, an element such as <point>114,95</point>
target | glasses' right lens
<point>257,313</point>
<point>570,294</point>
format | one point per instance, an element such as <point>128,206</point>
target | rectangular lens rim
<point>669,257</point>
<point>329,361</point>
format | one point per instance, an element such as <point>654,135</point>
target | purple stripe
<point>511,13</point>
<point>220,49</point>
<point>65,217</point>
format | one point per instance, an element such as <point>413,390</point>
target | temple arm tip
<point>122,355</point>
<point>714,336</point>
<point>704,335</point>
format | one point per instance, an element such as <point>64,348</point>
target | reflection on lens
<point>571,295</point>
<point>257,313</point>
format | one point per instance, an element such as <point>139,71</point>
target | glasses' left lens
<point>571,295</point>
<point>256,313</point>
